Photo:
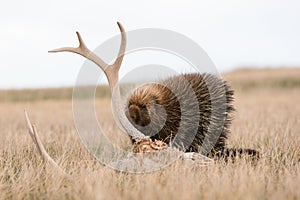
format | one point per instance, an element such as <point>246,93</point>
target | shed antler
<point>40,148</point>
<point>112,74</point>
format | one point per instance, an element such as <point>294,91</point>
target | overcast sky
<point>234,33</point>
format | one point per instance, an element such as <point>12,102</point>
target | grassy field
<point>267,119</point>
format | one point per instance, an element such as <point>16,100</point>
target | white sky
<point>234,33</point>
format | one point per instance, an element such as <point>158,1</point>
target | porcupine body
<point>197,108</point>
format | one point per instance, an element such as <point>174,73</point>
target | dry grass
<point>268,119</point>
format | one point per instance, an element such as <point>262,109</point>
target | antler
<point>40,148</point>
<point>112,74</point>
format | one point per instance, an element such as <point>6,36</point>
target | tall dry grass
<point>267,119</point>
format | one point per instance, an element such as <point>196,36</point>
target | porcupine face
<point>144,110</point>
<point>139,114</point>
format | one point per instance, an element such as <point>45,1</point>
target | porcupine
<point>210,92</point>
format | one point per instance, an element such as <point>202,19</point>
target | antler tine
<point>83,51</point>
<point>121,53</point>
<point>112,71</point>
<point>40,147</point>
